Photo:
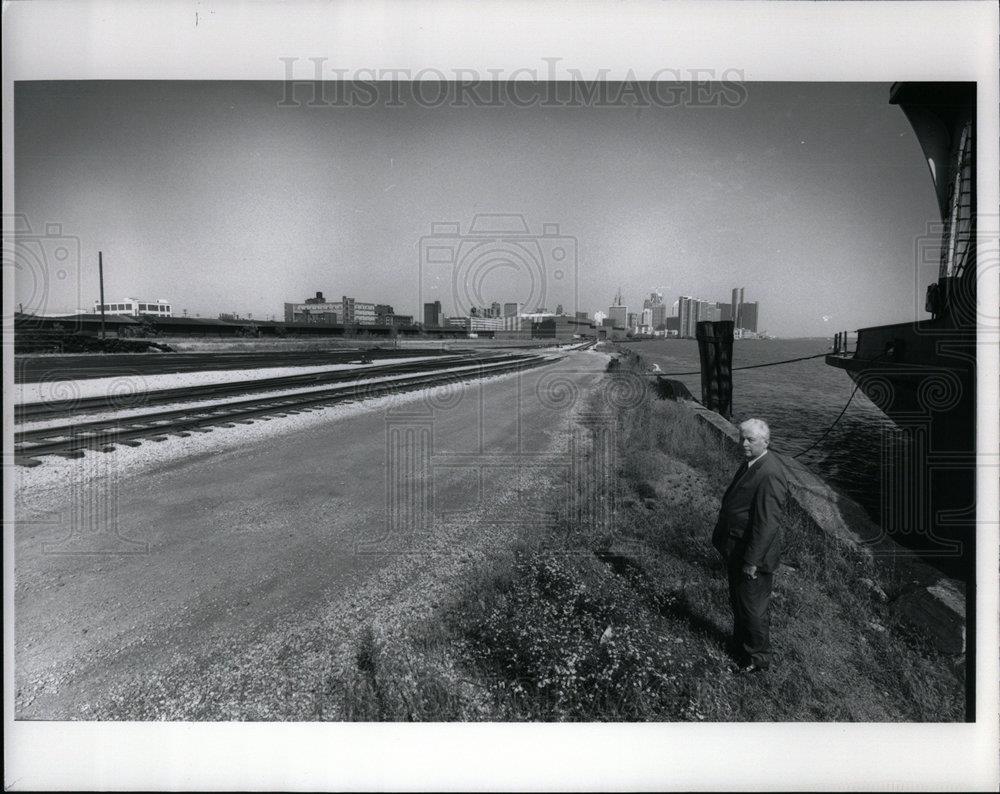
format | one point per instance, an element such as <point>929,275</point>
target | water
<point>799,401</point>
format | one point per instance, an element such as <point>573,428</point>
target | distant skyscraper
<point>619,314</point>
<point>647,317</point>
<point>691,311</point>
<point>632,320</point>
<point>511,309</point>
<point>748,315</point>
<point>687,315</point>
<point>735,303</point>
<point>725,311</point>
<point>654,299</point>
<point>704,310</point>
<point>432,315</point>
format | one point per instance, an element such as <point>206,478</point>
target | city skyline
<point>212,196</point>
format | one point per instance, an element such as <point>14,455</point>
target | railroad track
<point>53,409</point>
<point>71,440</point>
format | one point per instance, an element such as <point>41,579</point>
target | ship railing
<point>845,343</point>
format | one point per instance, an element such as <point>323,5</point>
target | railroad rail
<point>105,435</point>
<point>29,368</point>
<point>54,409</point>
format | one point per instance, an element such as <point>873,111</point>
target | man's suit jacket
<point>751,513</point>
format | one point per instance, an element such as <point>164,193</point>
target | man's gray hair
<point>759,426</point>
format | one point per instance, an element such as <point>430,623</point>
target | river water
<point>799,401</point>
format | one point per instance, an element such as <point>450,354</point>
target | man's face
<point>753,442</point>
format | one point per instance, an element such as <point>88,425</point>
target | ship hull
<point>922,377</point>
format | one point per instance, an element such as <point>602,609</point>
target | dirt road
<point>227,569</point>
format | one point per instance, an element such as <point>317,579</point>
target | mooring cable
<point>840,415</point>
<point>787,361</point>
<point>749,366</point>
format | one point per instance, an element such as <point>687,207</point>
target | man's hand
<point>750,571</point>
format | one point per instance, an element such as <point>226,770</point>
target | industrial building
<point>476,324</point>
<point>346,311</point>
<point>314,310</point>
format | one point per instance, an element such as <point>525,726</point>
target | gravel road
<point>235,575</point>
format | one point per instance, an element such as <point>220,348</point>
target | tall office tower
<point>725,311</point>
<point>658,315</point>
<point>704,311</point>
<point>748,315</point>
<point>495,309</point>
<point>619,316</point>
<point>632,320</point>
<point>511,309</point>
<point>687,315</point>
<point>736,302</point>
<point>432,315</point>
<point>708,311</point>
<point>647,316</point>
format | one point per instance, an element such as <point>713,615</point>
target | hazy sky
<point>212,196</point>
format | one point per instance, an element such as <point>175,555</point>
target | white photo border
<point>768,41</point>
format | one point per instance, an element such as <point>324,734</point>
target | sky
<point>215,197</point>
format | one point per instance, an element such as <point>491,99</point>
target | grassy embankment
<point>629,621</point>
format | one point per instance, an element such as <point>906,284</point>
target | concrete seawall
<point>923,597</point>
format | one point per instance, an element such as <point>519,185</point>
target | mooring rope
<point>839,416</point>
<point>749,366</point>
<point>787,361</point>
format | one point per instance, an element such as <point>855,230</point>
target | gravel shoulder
<point>252,586</point>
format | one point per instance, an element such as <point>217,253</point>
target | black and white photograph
<point>379,381</point>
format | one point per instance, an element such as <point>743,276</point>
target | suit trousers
<point>750,600</point>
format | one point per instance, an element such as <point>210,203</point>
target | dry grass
<point>629,622</point>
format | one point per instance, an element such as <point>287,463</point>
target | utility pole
<point>100,273</point>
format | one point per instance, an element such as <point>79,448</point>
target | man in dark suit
<point>748,536</point>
